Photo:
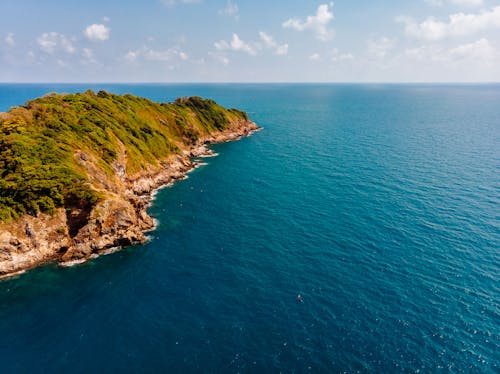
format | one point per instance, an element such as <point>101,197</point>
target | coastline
<point>119,221</point>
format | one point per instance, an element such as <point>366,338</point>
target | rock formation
<point>114,163</point>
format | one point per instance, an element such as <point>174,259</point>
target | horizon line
<point>270,82</point>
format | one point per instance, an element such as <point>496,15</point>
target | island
<point>78,170</point>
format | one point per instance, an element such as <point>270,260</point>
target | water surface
<point>378,203</point>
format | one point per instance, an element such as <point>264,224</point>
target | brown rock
<point>119,220</point>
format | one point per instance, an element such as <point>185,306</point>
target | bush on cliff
<point>38,142</point>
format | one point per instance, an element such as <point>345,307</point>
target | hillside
<point>84,159</point>
<point>38,142</point>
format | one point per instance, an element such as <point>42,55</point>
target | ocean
<point>378,204</point>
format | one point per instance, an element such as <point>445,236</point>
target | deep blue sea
<point>379,204</point>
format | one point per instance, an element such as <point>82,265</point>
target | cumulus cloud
<point>162,55</point>
<point>175,2</point>
<point>131,56</point>
<point>337,56</point>
<point>230,10</point>
<point>318,23</point>
<point>379,48</point>
<point>62,63</point>
<point>459,24</point>
<point>220,58</point>
<point>315,57</point>
<point>467,3</point>
<point>88,56</point>
<point>281,50</point>
<point>269,42</point>
<point>236,44</point>
<point>159,55</point>
<point>97,32</point>
<point>480,52</point>
<point>224,60</point>
<point>9,39</point>
<point>49,42</point>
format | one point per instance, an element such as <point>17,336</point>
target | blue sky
<point>249,41</point>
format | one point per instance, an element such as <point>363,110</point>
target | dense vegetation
<point>38,141</point>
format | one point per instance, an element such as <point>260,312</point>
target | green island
<point>38,141</point>
<point>78,170</point>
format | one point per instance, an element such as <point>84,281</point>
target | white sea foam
<point>154,193</point>
<point>108,251</point>
<point>71,263</point>
<point>155,226</point>
<point>208,155</point>
<point>199,164</point>
<point>11,275</point>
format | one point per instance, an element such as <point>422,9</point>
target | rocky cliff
<point>78,170</point>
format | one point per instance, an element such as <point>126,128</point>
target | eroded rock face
<point>113,223</point>
<point>120,219</point>
<point>32,240</point>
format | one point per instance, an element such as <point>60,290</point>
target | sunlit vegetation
<point>38,142</point>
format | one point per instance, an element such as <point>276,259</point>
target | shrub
<point>38,142</point>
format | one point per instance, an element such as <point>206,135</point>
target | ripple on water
<point>378,204</point>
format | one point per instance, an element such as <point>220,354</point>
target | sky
<point>249,41</point>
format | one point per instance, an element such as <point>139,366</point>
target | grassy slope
<point>38,141</point>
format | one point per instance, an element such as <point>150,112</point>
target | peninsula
<point>78,170</point>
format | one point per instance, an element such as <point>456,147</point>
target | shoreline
<point>150,198</point>
<point>138,196</point>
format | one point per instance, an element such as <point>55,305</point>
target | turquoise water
<point>378,203</point>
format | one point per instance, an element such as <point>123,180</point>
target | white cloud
<point>230,10</point>
<point>317,23</point>
<point>67,45</point>
<point>315,57</point>
<point>31,56</point>
<point>336,56</point>
<point>158,55</point>
<point>162,55</point>
<point>175,2</point>
<point>267,39</point>
<point>236,44</point>
<point>220,58</point>
<point>478,53</point>
<point>466,3</point>
<point>97,32</point>
<point>269,42</point>
<point>281,50</point>
<point>380,48</point>
<point>88,56</point>
<point>49,42</point>
<point>62,63</point>
<point>131,56</point>
<point>87,53</point>
<point>458,24</point>
<point>9,39</point>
